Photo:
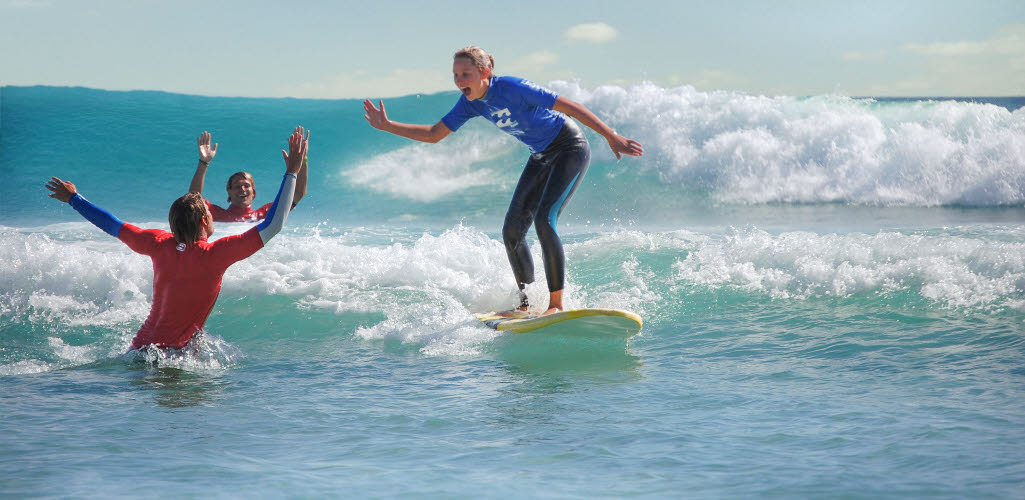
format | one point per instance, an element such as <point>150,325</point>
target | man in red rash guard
<point>187,267</point>
<point>241,188</point>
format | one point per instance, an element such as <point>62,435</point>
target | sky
<point>369,49</point>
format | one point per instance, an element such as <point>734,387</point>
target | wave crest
<point>742,148</point>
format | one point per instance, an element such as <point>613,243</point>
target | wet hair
<point>477,56</point>
<point>186,217</point>
<point>245,175</point>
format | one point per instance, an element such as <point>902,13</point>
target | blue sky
<point>355,49</point>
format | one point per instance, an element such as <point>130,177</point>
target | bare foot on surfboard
<point>552,310</point>
<point>514,313</point>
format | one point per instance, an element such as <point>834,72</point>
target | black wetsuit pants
<point>547,183</point>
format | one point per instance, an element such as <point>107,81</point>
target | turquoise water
<point>833,292</point>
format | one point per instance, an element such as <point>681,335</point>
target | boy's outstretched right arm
<point>206,155</point>
<point>66,192</point>
<point>378,118</point>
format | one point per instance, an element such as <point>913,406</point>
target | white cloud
<point>402,82</point>
<point>364,84</point>
<point>591,33</point>
<point>1008,41</point>
<point>709,79</point>
<point>26,4</point>
<point>530,64</point>
<point>995,66</point>
<point>855,55</point>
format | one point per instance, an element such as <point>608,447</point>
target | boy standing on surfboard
<point>187,269</point>
<point>559,156</point>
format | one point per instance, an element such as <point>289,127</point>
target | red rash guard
<point>186,280</point>
<point>236,214</point>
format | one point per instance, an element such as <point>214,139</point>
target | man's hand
<point>206,153</point>
<point>297,147</point>
<point>62,190</point>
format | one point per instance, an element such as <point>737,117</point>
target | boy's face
<point>468,79</point>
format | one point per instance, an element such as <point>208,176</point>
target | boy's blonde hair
<point>477,56</point>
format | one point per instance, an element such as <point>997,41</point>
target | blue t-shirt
<point>519,107</point>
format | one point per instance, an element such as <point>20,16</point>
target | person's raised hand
<point>206,152</point>
<point>376,117</point>
<point>62,190</point>
<point>297,147</point>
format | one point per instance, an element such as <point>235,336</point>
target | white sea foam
<point>204,353</point>
<point>427,290</point>
<point>72,353</point>
<point>25,367</point>
<point>427,287</point>
<point>427,172</point>
<point>627,284</point>
<point>755,149</point>
<point>92,282</point>
<point>952,270</point>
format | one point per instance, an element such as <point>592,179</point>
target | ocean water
<point>833,291</point>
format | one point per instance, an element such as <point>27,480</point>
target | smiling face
<point>469,79</point>
<point>241,189</point>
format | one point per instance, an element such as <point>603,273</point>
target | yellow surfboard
<point>589,322</point>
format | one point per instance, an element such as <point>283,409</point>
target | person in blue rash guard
<point>187,268</point>
<point>559,156</point>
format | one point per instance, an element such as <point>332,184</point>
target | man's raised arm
<point>65,191</point>
<point>297,147</point>
<point>206,155</point>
